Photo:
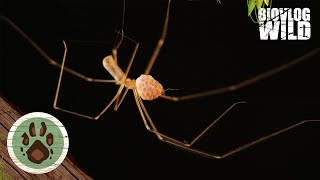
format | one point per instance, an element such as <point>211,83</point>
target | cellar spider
<point>147,88</point>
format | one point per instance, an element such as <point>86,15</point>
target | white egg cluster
<point>148,88</point>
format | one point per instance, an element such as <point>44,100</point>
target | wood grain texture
<point>67,170</point>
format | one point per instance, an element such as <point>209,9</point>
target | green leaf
<point>259,4</point>
<point>267,2</point>
<point>251,5</point>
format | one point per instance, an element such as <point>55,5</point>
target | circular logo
<point>37,142</point>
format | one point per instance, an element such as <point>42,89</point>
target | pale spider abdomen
<point>148,88</point>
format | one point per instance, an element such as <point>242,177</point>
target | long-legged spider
<point>139,89</point>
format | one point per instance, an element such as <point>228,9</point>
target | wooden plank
<point>6,158</point>
<point>73,169</point>
<point>67,170</point>
<point>8,172</point>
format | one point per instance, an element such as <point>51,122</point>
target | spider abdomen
<point>148,88</point>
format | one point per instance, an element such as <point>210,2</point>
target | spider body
<point>147,87</point>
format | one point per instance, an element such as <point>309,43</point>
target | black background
<point>208,46</point>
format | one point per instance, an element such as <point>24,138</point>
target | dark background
<point>208,46</point>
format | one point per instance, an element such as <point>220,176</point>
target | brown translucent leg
<point>118,42</point>
<point>246,82</point>
<point>46,56</point>
<point>137,99</point>
<point>114,54</point>
<point>117,45</point>
<point>188,146</point>
<point>144,110</point>
<point>160,41</point>
<point>115,98</point>
<point>73,112</point>
<point>119,101</point>
<point>115,58</point>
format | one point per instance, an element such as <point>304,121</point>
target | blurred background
<point>208,46</point>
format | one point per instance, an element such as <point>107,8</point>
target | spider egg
<point>148,88</point>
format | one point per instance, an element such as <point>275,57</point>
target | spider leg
<point>247,82</point>
<point>142,112</point>
<point>114,54</point>
<point>145,112</point>
<point>48,58</point>
<point>115,58</point>
<point>115,51</point>
<point>160,41</point>
<point>119,101</point>
<point>118,43</point>
<point>188,146</point>
<point>73,112</point>
<point>185,146</point>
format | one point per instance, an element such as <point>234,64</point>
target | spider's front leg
<point>73,112</point>
<point>120,77</point>
<point>47,57</point>
<point>160,41</point>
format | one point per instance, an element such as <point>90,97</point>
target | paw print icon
<point>37,142</point>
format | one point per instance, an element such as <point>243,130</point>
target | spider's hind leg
<point>189,147</point>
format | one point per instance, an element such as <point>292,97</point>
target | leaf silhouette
<point>259,4</point>
<point>251,5</point>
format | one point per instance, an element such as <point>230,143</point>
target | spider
<point>146,87</point>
